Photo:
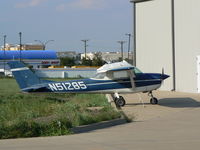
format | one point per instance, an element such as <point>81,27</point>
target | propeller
<point>162,76</point>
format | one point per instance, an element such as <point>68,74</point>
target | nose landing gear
<point>153,100</point>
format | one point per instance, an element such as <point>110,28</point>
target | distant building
<point>36,59</point>
<point>108,56</point>
<point>24,47</point>
<point>88,55</point>
<point>70,54</point>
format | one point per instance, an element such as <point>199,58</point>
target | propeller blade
<point>162,75</point>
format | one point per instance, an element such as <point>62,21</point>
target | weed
<point>47,114</point>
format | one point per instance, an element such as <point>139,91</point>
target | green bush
<point>35,129</point>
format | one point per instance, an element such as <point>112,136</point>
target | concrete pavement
<point>173,124</point>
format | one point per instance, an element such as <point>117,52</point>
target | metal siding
<point>187,14</point>
<point>198,74</point>
<point>153,38</point>
<point>154,46</point>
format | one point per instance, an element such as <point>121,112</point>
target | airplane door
<point>198,74</point>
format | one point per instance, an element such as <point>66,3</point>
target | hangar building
<point>167,35</point>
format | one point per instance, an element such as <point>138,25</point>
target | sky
<point>67,22</point>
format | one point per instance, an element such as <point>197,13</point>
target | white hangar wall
<point>187,27</point>
<point>154,40</point>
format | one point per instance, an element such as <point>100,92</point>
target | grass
<point>47,114</point>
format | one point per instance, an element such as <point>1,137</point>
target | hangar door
<point>198,74</point>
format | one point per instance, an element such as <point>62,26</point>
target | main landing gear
<point>119,100</point>
<point>153,100</point>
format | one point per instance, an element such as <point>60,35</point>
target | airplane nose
<point>164,76</point>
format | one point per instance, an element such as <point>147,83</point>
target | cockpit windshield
<point>136,71</point>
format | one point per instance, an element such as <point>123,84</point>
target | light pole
<point>44,43</point>
<point>85,46</point>
<point>20,45</point>
<point>121,43</point>
<point>129,42</point>
<point>4,48</point>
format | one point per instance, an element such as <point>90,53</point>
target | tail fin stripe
<point>20,69</point>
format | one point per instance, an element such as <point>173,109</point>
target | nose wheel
<point>153,100</point>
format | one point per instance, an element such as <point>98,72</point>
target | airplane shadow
<point>180,102</point>
<point>183,102</point>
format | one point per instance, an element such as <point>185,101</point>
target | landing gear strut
<point>153,100</point>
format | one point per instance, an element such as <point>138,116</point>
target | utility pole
<point>121,43</point>
<point>20,45</point>
<point>85,45</point>
<point>44,43</point>
<point>129,42</point>
<point>4,48</point>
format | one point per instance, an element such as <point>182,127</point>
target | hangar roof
<point>29,54</point>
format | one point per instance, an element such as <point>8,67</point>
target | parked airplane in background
<point>114,78</point>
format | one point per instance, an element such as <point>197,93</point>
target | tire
<point>120,102</point>
<point>154,101</point>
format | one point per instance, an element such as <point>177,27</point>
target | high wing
<point>119,66</point>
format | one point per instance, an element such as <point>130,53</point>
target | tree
<point>97,60</point>
<point>67,61</point>
<point>86,61</point>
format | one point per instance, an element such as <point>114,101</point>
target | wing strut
<point>132,75</point>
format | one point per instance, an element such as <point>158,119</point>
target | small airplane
<point>114,78</point>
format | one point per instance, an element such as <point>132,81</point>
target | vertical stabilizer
<point>23,75</point>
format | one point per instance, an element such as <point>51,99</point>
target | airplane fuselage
<point>143,83</point>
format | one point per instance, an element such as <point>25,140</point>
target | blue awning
<point>28,54</point>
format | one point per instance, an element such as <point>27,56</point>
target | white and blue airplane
<point>114,78</point>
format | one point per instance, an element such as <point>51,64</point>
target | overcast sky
<point>103,22</point>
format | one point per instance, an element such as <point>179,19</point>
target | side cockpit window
<point>112,75</point>
<point>120,75</point>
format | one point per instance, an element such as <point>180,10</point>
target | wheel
<point>120,102</point>
<point>154,101</point>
